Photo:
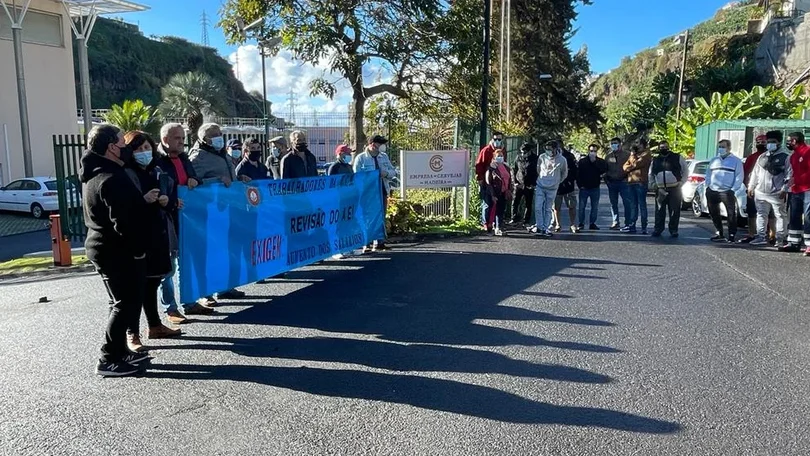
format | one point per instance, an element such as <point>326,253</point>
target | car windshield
<point>701,168</point>
<point>51,185</point>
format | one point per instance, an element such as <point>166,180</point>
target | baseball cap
<point>377,139</point>
<point>234,144</point>
<point>343,149</point>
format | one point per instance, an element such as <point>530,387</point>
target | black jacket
<point>293,166</point>
<point>158,253</point>
<point>589,174</point>
<point>570,183</point>
<point>524,172</point>
<point>114,212</point>
<point>254,172</point>
<point>165,164</point>
<point>339,168</point>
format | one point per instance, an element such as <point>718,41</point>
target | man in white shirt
<point>724,179</point>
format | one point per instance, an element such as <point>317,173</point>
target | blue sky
<point>612,29</point>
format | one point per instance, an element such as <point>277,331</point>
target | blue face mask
<point>346,159</point>
<point>218,143</point>
<point>143,158</point>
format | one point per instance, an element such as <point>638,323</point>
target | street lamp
<point>681,39</point>
<point>265,48</point>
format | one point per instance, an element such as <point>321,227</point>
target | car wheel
<point>697,211</point>
<point>37,211</point>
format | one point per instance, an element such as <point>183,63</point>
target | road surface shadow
<point>391,356</point>
<point>425,297</point>
<point>423,392</point>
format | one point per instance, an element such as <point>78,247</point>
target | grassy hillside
<point>126,65</point>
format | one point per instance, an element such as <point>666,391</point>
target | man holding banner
<point>375,158</point>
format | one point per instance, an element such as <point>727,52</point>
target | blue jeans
<point>482,192</point>
<point>616,189</point>
<point>638,204</point>
<point>168,301</point>
<point>592,194</point>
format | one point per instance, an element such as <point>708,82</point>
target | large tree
<point>403,37</point>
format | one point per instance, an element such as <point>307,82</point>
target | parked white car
<point>700,207</point>
<point>36,195</point>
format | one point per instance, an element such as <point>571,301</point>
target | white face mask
<point>772,147</point>
<point>382,148</point>
<point>614,147</point>
<point>275,152</point>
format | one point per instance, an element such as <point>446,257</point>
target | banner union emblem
<point>436,163</point>
<point>253,196</point>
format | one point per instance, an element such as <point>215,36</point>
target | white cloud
<point>284,74</point>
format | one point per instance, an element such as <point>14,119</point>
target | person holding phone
<point>147,177</point>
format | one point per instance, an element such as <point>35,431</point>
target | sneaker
<point>758,241</point>
<point>163,332</point>
<point>615,227</point>
<point>367,249</point>
<point>574,229</point>
<point>136,358</point>
<point>116,369</point>
<point>134,342</point>
<point>718,238</point>
<point>498,232</point>
<point>593,227</point>
<point>731,239</point>
<point>532,229</point>
<point>789,248</point>
<point>176,318</point>
<point>581,227</point>
<point>208,301</point>
<point>197,309</point>
<point>549,233</point>
<point>624,229</point>
<point>557,228</point>
<point>339,257</point>
<point>231,294</point>
<point>673,235</point>
<point>747,239</point>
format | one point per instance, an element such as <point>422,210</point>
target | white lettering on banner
<point>436,168</point>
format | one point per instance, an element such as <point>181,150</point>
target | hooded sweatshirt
<point>114,212</point>
<point>551,171</point>
<point>771,173</point>
<point>725,173</point>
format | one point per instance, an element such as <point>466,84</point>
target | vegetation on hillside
<point>125,65</point>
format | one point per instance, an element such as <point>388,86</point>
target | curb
<point>421,237</point>
<point>52,271</point>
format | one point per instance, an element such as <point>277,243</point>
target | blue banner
<point>247,232</point>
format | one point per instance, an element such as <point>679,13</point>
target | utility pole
<point>204,22</point>
<point>508,60</point>
<point>485,73</point>
<point>680,82</point>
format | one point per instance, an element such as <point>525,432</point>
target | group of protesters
<point>131,209</point>
<point>774,179</point>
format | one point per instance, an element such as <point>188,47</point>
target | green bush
<point>402,217</point>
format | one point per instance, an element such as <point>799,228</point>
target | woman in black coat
<point>147,177</point>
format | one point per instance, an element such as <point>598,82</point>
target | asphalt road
<point>594,344</point>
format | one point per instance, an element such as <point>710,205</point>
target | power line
<point>205,23</point>
<point>292,100</point>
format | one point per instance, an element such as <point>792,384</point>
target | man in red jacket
<point>799,182</point>
<point>482,164</point>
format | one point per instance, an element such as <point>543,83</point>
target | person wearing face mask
<point>616,179</point>
<point>669,172</point>
<point>524,178</point>
<point>637,168</point>
<point>482,164</point>
<point>552,169</point>
<point>567,193</point>
<point>768,187</point>
<point>251,168</point>
<point>208,156</point>
<point>115,216</point>
<point>760,144</point>
<point>799,183</point>
<point>278,149</point>
<point>145,175</point>
<point>376,158</point>
<point>234,150</point>
<point>499,191</point>
<point>342,165</point>
<point>724,178</point>
<point>591,169</point>
<point>299,161</point>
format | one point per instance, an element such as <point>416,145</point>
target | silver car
<point>700,206</point>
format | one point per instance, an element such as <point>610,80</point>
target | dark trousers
<point>713,200</point>
<point>125,284</point>
<point>521,194</point>
<point>496,211</point>
<point>668,202</point>
<point>150,306</point>
<point>799,222</point>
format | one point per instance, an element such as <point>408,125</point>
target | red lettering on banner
<point>265,250</point>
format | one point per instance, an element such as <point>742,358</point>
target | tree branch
<point>385,88</point>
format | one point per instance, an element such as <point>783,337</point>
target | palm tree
<point>192,96</point>
<point>133,115</point>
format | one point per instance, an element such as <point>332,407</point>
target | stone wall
<point>784,52</point>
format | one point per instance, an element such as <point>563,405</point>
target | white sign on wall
<point>435,168</point>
